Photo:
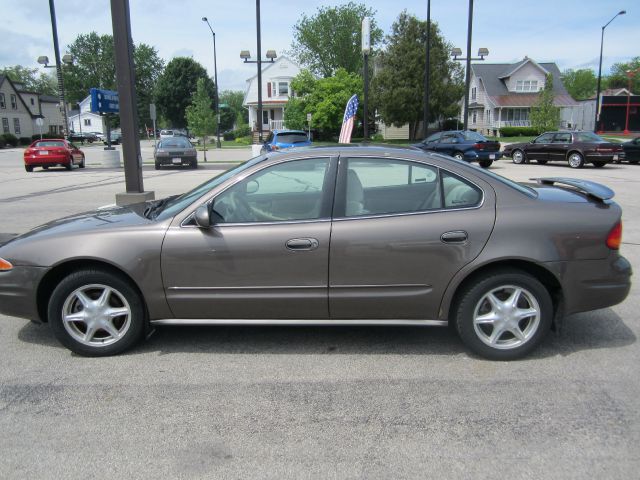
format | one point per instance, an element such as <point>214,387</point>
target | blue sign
<point>104,101</point>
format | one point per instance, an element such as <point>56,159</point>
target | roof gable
<point>510,71</point>
<point>19,97</point>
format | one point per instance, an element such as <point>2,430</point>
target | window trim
<point>17,129</point>
<point>3,101</point>
<point>14,101</point>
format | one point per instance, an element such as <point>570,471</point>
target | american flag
<point>347,121</point>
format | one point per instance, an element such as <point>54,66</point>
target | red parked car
<point>52,152</point>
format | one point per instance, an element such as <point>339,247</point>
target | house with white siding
<point>501,95</point>
<point>276,91</point>
<point>15,114</point>
<point>83,119</point>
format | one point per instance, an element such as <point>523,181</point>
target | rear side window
<point>458,193</point>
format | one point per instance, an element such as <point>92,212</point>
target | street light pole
<point>366,50</point>
<point>215,77</point>
<point>597,113</point>
<point>467,82</point>
<point>56,51</point>
<point>427,68</point>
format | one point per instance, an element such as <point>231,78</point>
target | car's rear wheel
<point>503,316</point>
<point>28,168</point>
<point>542,162</point>
<point>634,162</point>
<point>517,156</point>
<point>96,313</point>
<point>575,160</point>
<point>599,164</point>
<point>82,162</point>
<point>485,163</point>
<point>69,165</point>
<point>157,166</point>
<point>458,155</point>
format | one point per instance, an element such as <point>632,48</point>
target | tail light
<point>605,149</point>
<point>479,146</point>
<point>614,239</point>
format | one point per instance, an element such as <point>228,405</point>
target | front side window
<point>14,102</point>
<point>380,186</point>
<point>5,125</point>
<point>285,192</point>
<point>433,138</point>
<point>16,126</point>
<point>449,138</point>
<point>544,138</point>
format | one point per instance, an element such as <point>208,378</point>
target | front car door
<point>448,144</point>
<point>538,148</point>
<point>431,142</point>
<point>265,257</point>
<point>559,146</point>
<point>401,230</point>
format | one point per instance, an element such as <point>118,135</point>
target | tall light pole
<point>366,50</point>
<point>597,114</point>
<point>215,77</point>
<point>427,68</point>
<point>56,51</point>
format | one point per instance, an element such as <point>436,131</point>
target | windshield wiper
<point>156,207</point>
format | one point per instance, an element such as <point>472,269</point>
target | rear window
<point>49,143</point>
<point>292,137</point>
<point>474,136</point>
<point>180,142</point>
<point>166,132</point>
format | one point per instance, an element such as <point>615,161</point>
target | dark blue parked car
<point>463,145</point>
<point>281,139</point>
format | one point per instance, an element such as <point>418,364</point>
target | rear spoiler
<point>593,189</point>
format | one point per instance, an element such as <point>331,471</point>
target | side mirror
<point>202,217</point>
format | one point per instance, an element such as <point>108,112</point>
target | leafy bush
<point>246,140</point>
<point>377,138</point>
<point>2,142</point>
<point>10,139</point>
<point>230,135</point>
<point>519,131</point>
<point>451,124</point>
<point>25,141</point>
<point>242,131</point>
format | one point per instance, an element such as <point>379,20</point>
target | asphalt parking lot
<point>281,402</point>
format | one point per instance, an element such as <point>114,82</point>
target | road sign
<point>104,101</point>
<point>152,111</point>
<point>39,122</point>
<point>308,117</point>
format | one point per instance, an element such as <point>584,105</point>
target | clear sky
<point>563,31</point>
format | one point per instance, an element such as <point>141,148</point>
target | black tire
<point>575,160</point>
<point>157,166</point>
<point>82,162</point>
<point>485,163</point>
<point>518,156</point>
<point>128,326</point>
<point>45,167</point>
<point>28,168</point>
<point>458,155</point>
<point>542,162</point>
<point>503,284</point>
<point>194,165</point>
<point>599,164</point>
<point>69,166</point>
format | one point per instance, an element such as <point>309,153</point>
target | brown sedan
<point>575,148</point>
<point>328,236</point>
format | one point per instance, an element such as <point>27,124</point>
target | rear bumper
<point>476,156</point>
<point>594,284</point>
<point>607,157</point>
<point>44,160</point>
<point>176,161</point>
<point>18,292</point>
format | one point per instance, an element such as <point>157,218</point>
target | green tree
<point>44,83</point>
<point>398,86</point>
<point>544,114</point>
<point>175,87</point>
<point>200,117</point>
<point>324,98</point>
<point>618,76</point>
<point>331,39</point>
<point>94,67</point>
<point>233,109</point>
<point>581,84</point>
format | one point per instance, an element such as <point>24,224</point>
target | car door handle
<point>457,236</point>
<point>302,244</point>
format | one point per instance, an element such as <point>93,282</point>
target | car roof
<point>277,132</point>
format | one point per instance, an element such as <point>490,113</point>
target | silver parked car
<point>175,151</point>
<point>328,236</point>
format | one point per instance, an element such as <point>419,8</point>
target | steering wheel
<point>242,211</point>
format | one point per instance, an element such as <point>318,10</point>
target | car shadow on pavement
<point>585,331</point>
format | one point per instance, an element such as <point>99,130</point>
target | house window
<point>32,102</point>
<point>2,104</point>
<point>53,129</point>
<point>473,93</point>
<point>16,126</point>
<point>283,88</point>
<point>265,117</point>
<point>87,122</point>
<point>474,118</point>
<point>5,125</point>
<point>526,86</point>
<point>14,102</point>
<point>488,116</point>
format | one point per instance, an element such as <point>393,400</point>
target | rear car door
<point>267,254</point>
<point>401,230</point>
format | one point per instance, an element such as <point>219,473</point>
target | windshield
<point>588,137</point>
<point>473,136</point>
<point>176,205</point>
<point>291,138</point>
<point>179,142</point>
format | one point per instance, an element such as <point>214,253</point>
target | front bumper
<point>18,292</point>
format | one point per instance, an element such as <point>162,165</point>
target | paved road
<point>361,403</point>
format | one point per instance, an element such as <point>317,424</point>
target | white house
<point>501,95</point>
<point>276,91</point>
<point>84,120</point>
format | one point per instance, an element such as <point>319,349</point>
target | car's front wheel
<point>517,156</point>
<point>96,313</point>
<point>503,316</point>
